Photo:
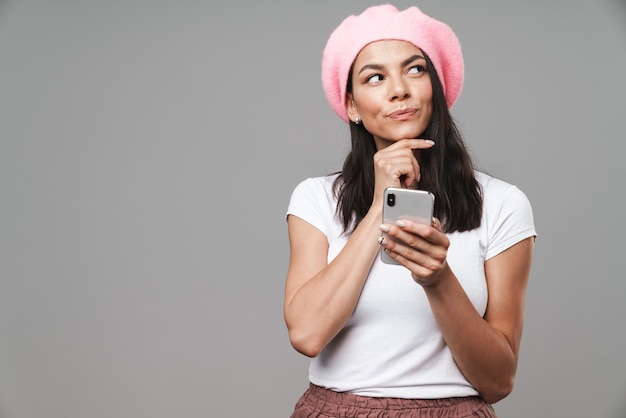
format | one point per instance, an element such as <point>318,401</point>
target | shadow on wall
<point>621,9</point>
<point>4,5</point>
<point>622,412</point>
<point>621,5</point>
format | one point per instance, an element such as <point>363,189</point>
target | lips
<point>402,114</point>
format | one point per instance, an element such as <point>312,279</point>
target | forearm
<point>483,354</point>
<point>320,308</point>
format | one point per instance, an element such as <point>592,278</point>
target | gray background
<point>148,150</point>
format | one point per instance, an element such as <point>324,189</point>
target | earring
<point>357,120</point>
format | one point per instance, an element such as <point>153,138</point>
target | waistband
<point>325,401</point>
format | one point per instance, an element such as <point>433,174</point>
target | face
<point>391,91</point>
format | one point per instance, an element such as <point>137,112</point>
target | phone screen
<point>413,205</point>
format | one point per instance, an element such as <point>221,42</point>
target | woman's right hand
<point>320,297</point>
<point>396,165</point>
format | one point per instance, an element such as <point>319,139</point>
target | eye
<point>374,78</point>
<point>417,69</point>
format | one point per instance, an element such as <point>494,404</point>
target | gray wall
<point>148,150</point>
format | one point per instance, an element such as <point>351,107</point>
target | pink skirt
<point>318,402</point>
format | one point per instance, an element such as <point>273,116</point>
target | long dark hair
<point>446,170</point>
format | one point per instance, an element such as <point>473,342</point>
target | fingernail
<point>401,223</point>
<point>384,228</point>
<point>381,240</point>
<point>429,141</point>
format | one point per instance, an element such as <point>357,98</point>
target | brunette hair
<point>446,170</point>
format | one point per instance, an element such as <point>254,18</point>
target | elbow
<point>309,351</point>
<point>307,337</point>
<point>305,344</point>
<point>496,391</point>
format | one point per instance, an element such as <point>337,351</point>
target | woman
<point>439,334</point>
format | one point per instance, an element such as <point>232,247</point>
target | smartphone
<point>413,205</point>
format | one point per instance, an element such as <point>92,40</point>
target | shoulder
<point>316,186</point>
<point>497,192</point>
<point>314,192</point>
<point>492,184</point>
<point>507,214</point>
<point>321,182</point>
<point>313,200</point>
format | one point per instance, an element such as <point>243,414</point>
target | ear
<point>351,107</point>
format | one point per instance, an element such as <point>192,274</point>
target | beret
<point>385,22</point>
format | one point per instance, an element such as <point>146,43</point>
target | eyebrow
<point>404,63</point>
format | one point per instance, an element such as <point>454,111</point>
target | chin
<point>406,130</point>
<point>405,134</point>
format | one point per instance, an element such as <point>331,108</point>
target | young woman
<point>439,334</point>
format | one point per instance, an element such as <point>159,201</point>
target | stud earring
<point>357,120</point>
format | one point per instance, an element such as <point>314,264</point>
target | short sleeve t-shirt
<point>392,346</point>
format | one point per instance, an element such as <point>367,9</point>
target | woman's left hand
<point>423,248</point>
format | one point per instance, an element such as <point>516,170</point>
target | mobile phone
<point>413,205</point>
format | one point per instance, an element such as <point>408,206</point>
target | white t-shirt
<point>392,346</point>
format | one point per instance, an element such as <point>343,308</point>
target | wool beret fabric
<point>386,22</point>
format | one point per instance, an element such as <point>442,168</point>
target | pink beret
<point>377,23</point>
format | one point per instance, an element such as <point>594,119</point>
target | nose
<point>398,89</point>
